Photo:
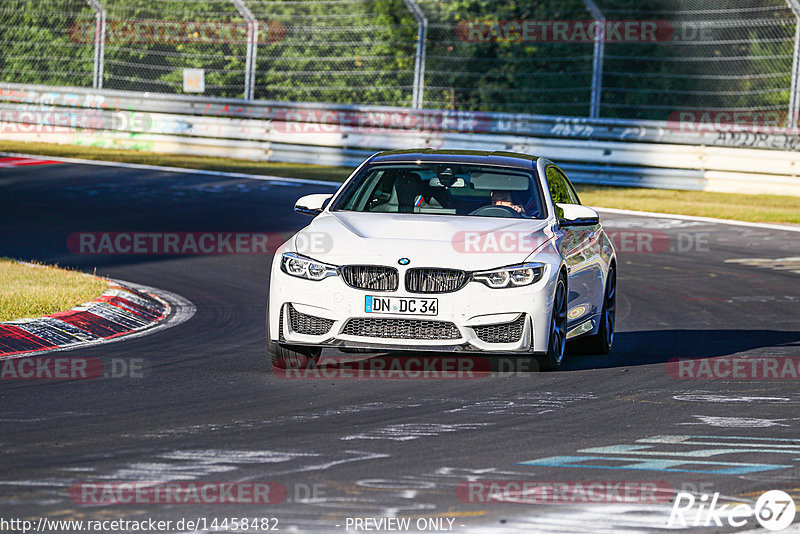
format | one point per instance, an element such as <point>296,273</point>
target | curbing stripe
<point>118,315</point>
<point>14,339</point>
<point>119,311</point>
<point>130,307</point>
<point>50,333</point>
<point>179,310</point>
<point>16,161</point>
<point>134,297</point>
<point>91,322</point>
<point>66,328</point>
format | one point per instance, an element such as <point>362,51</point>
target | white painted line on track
<point>298,181</point>
<point>183,170</point>
<point>701,219</point>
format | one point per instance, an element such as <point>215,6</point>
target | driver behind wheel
<point>503,198</point>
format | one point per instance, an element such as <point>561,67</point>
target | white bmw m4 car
<point>433,250</point>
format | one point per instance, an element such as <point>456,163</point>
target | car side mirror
<point>312,204</point>
<point>577,215</point>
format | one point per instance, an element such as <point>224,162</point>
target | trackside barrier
<point>601,151</point>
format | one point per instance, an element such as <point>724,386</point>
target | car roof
<point>479,157</point>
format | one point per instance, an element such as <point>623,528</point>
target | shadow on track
<point>659,346</point>
<point>630,348</point>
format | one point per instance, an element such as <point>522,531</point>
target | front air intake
<point>371,277</point>
<point>308,324</point>
<point>501,333</point>
<point>434,280</point>
<point>401,329</point>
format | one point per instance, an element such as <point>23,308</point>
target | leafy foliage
<point>723,54</point>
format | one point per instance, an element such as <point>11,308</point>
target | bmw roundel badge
<point>403,261</point>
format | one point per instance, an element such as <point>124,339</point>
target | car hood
<point>469,243</point>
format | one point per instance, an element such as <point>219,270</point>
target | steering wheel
<point>497,211</point>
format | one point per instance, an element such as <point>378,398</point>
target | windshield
<point>444,189</point>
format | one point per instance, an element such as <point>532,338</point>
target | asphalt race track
<point>207,406</point>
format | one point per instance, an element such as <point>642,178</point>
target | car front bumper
<point>476,318</point>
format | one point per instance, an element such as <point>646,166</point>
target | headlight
<point>515,276</point>
<point>296,265</point>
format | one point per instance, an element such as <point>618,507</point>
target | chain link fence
<point>480,57</point>
<point>720,55</point>
<point>149,43</point>
<point>606,58</point>
<point>341,51</point>
<point>36,46</point>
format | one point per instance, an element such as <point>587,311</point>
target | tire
<point>602,341</point>
<point>553,359</point>
<point>291,356</point>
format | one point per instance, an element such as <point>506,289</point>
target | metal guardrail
<point>636,153</point>
<point>365,116</point>
<point>377,116</point>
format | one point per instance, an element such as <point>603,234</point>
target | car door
<point>581,248</point>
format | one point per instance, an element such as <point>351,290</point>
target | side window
<point>560,188</point>
<point>572,193</point>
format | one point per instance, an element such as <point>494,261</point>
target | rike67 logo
<point>774,510</point>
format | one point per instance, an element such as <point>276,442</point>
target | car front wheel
<point>290,356</point>
<point>601,342</point>
<point>554,357</point>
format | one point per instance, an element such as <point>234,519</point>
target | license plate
<point>403,306</point>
